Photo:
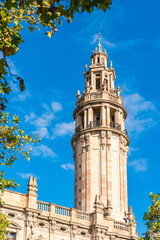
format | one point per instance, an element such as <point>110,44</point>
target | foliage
<point>12,142</point>
<point>4,223</point>
<point>153,217</point>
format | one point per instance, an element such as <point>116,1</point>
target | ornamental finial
<point>99,44</point>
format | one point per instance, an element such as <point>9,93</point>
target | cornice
<point>102,128</point>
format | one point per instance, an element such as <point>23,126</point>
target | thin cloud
<point>26,175</point>
<point>68,166</point>
<point>125,44</point>
<point>104,42</point>
<point>41,132</point>
<point>44,121</point>
<point>140,113</point>
<point>44,151</point>
<point>56,106</point>
<point>131,150</point>
<point>62,129</point>
<point>22,97</point>
<point>140,165</point>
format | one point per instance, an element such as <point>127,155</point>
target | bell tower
<point>100,142</point>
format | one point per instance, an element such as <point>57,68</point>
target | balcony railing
<point>120,225</point>
<point>115,125</point>
<point>94,124</point>
<point>78,129</point>
<point>97,123</point>
<point>62,211</point>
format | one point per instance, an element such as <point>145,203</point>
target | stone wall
<point>52,222</point>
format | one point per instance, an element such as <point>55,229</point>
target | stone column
<point>85,118</point>
<point>103,115</point>
<point>102,78</point>
<point>88,175</point>
<point>90,115</point>
<point>103,166</point>
<point>109,167</point>
<point>83,177</point>
<point>119,119</point>
<point>116,116</point>
<point>108,115</point>
<point>92,80</point>
<point>125,179</point>
<point>121,174</point>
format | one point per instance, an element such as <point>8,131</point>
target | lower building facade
<point>31,219</point>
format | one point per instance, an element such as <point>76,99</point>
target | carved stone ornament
<point>83,232</point>
<point>78,95</point>
<point>74,230</point>
<point>62,228</point>
<point>112,90</point>
<point>87,138</point>
<point>118,91</point>
<point>103,139</point>
<point>53,226</point>
<point>87,148</point>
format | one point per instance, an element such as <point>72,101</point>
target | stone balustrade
<point>43,206</point>
<point>100,95</point>
<point>83,215</point>
<point>72,213</point>
<point>121,226</point>
<point>62,211</point>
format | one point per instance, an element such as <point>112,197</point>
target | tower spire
<point>99,41</point>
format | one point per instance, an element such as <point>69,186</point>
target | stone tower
<point>100,142</point>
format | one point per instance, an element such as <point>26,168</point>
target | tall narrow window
<point>112,118</point>
<point>97,121</point>
<point>98,59</point>
<point>98,83</point>
<point>97,118</point>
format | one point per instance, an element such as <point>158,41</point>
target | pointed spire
<point>35,182</point>
<point>99,43</point>
<point>32,186</point>
<point>130,209</point>
<point>30,183</point>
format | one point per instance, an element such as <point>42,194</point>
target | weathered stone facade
<point>100,146</point>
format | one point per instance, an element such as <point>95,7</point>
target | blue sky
<point>53,72</point>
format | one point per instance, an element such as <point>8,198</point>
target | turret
<point>32,195</point>
<point>100,142</point>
